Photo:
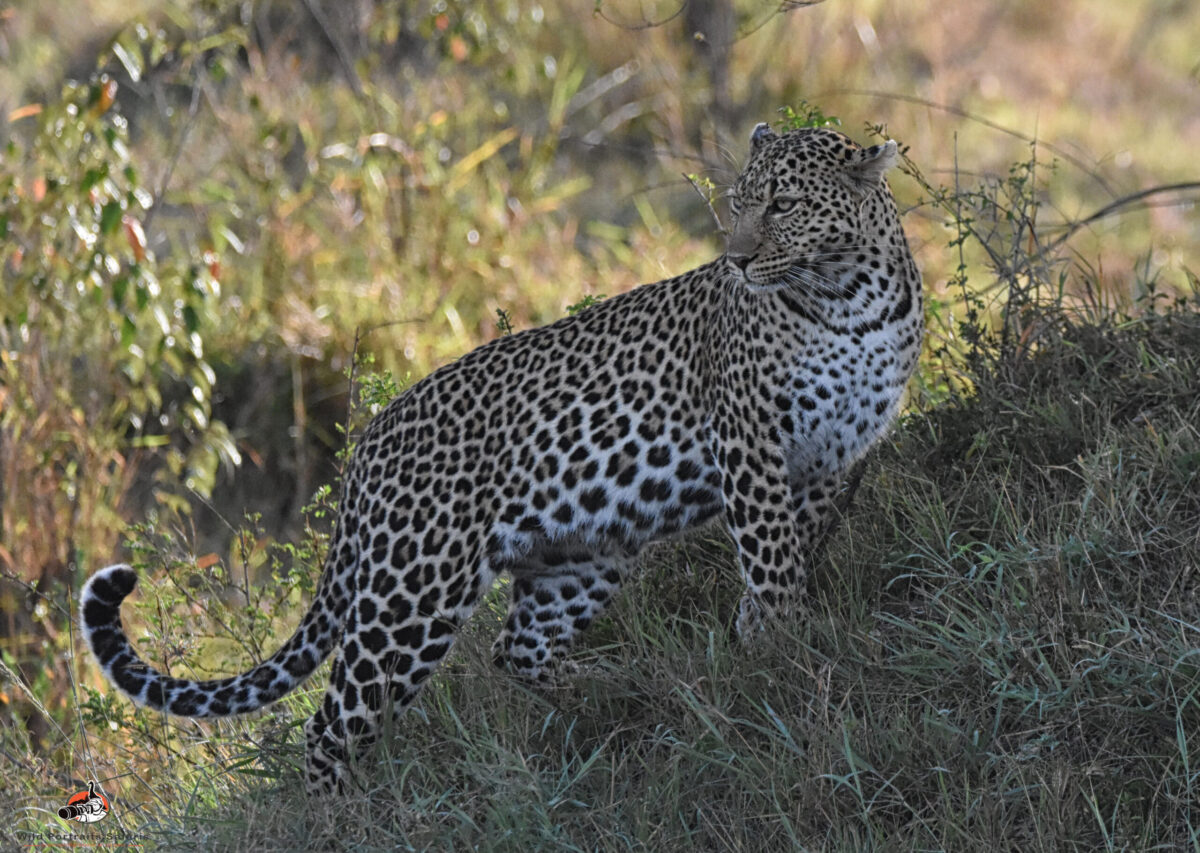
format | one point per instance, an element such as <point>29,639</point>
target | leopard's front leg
<point>762,516</point>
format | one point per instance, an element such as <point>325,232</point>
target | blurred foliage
<point>103,377</point>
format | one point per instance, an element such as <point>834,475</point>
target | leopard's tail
<point>320,628</point>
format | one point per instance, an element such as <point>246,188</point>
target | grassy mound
<point>1001,653</point>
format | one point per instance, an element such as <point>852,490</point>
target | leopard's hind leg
<point>553,598</point>
<point>399,629</point>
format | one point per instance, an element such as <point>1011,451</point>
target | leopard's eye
<point>735,205</point>
<point>783,205</point>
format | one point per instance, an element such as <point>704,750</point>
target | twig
<point>165,180</point>
<point>934,105</point>
<point>645,25</point>
<point>707,202</point>
<point>359,334</point>
<point>1113,207</point>
<point>353,375</point>
<point>339,49</point>
<point>783,8</point>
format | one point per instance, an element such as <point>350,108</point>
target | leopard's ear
<point>760,136</point>
<point>868,165</point>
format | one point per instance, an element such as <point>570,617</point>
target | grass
<point>1001,653</point>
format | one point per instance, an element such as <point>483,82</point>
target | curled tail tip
<point>112,583</point>
<point>104,592</point>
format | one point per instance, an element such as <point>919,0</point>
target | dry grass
<point>1000,654</point>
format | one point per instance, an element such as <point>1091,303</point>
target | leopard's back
<point>743,388</point>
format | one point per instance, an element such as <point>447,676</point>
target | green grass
<point>1002,652</point>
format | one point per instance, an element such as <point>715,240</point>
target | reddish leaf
<point>136,237</point>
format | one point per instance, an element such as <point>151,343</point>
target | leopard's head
<point>806,197</point>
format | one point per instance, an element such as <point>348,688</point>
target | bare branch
<point>783,8</point>
<point>165,180</point>
<point>645,25</point>
<point>978,119</point>
<point>339,49</point>
<point>1113,207</point>
<point>707,202</point>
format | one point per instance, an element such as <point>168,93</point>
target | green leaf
<point>191,320</point>
<point>128,331</point>
<point>93,176</point>
<point>587,302</point>
<point>131,58</point>
<point>808,115</point>
<point>110,218</point>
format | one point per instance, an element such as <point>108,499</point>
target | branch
<point>339,49</point>
<point>707,202</point>
<point>934,105</point>
<point>165,180</point>
<point>1113,207</point>
<point>783,8</point>
<point>645,25</point>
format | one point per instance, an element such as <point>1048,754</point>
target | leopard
<point>741,392</point>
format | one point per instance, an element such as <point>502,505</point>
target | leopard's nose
<point>740,261</point>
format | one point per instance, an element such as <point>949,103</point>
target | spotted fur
<point>744,388</point>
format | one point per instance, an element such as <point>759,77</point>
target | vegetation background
<point>230,230</point>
